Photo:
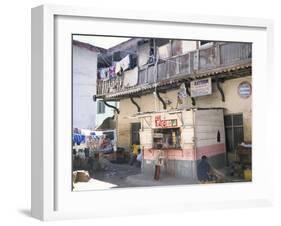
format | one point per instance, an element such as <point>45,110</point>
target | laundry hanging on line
<point>103,73</point>
<point>125,64</point>
<point>78,138</point>
<point>130,77</point>
<point>117,68</point>
<point>112,73</point>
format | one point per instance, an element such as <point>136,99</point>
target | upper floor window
<point>101,107</point>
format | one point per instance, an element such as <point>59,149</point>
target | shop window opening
<point>166,138</point>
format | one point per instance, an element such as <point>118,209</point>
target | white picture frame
<point>52,197</point>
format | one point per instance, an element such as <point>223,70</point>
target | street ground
<point>116,175</point>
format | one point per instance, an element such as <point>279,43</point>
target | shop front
<point>176,140</point>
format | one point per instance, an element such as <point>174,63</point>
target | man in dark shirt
<point>204,169</point>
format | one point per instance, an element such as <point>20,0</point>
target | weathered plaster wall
<point>233,104</point>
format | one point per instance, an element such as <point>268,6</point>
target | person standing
<point>158,163</point>
<point>134,153</point>
<point>139,158</point>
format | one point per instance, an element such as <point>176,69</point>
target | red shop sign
<point>165,123</point>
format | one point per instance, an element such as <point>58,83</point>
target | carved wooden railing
<point>198,61</point>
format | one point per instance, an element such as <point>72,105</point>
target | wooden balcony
<point>217,58</point>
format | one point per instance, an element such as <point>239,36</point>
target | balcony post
<point>196,60</point>
<point>218,54</point>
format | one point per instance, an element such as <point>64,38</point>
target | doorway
<point>234,133</point>
<point>135,136</point>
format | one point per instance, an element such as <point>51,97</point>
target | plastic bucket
<point>248,174</point>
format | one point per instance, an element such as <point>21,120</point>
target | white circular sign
<point>244,89</point>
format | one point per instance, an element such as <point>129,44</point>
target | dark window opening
<point>234,131</point>
<point>218,136</point>
<point>101,107</point>
<point>117,56</point>
<point>135,136</point>
<point>204,42</point>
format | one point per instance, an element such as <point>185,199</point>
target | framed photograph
<point>136,113</point>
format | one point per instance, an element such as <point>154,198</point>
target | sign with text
<point>201,87</point>
<point>165,123</point>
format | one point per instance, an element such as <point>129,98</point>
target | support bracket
<point>187,86</point>
<point>111,106</point>
<point>220,89</point>
<point>161,99</point>
<point>135,103</point>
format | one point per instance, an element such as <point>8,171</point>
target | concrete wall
<point>188,46</point>
<point>183,168</point>
<point>208,123</point>
<point>84,87</point>
<point>233,104</point>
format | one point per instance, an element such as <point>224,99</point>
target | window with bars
<point>101,107</point>
<point>234,131</point>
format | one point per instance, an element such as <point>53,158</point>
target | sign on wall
<point>244,89</point>
<point>165,123</point>
<point>201,87</point>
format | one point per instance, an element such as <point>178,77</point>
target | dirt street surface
<point>115,173</point>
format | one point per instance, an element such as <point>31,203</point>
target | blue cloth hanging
<point>78,138</point>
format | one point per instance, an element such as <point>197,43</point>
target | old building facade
<point>161,84</point>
